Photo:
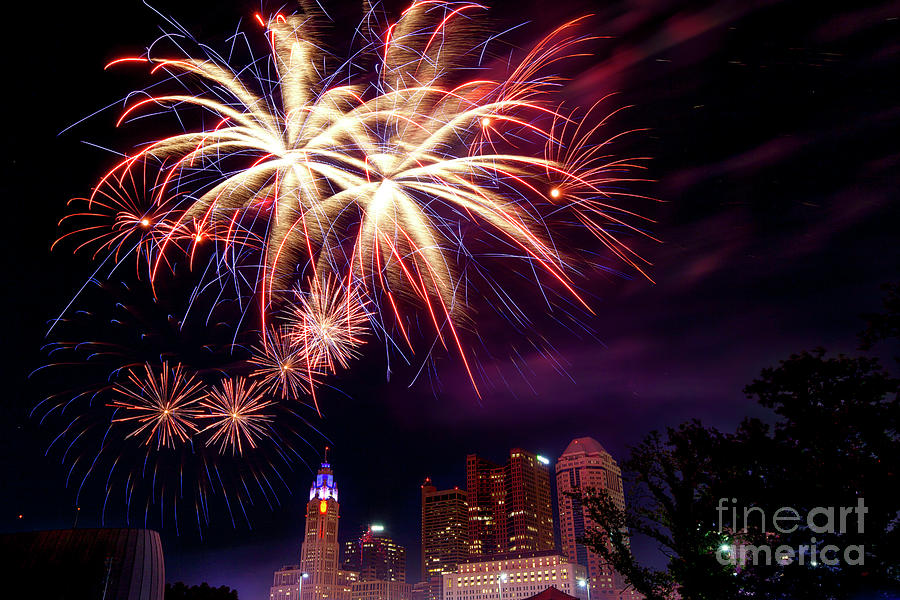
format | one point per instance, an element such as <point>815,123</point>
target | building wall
<point>118,564</point>
<point>524,577</point>
<point>528,504</point>
<point>485,490</point>
<point>320,550</point>
<point>381,590</point>
<point>345,582</point>
<point>286,583</point>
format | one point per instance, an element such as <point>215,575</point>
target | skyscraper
<point>445,522</point>
<point>375,556</point>
<point>484,494</point>
<point>320,549</point>
<point>509,506</point>
<point>585,464</point>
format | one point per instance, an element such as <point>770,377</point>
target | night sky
<point>772,128</point>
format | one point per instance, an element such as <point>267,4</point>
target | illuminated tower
<point>585,464</point>
<point>445,522</point>
<point>510,509</point>
<point>319,553</point>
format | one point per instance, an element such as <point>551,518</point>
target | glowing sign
<point>323,506</point>
<point>543,460</point>
<point>376,527</point>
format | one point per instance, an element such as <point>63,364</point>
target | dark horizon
<point>773,134</point>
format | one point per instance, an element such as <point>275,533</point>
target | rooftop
<point>584,445</point>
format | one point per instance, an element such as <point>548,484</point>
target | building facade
<point>375,556</point>
<point>287,583</point>
<point>423,591</point>
<point>586,465</point>
<point>445,523</point>
<point>381,590</point>
<point>510,507</point>
<point>515,576</point>
<point>484,495</point>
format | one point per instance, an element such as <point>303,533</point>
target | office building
<point>375,556</point>
<point>287,583</point>
<point>510,508</point>
<point>445,522</point>
<point>586,465</point>
<point>423,591</point>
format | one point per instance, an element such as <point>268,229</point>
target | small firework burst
<point>237,407</point>
<point>328,323</point>
<point>162,405</point>
<point>282,367</point>
<point>122,217</point>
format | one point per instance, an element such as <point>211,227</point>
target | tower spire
<point>324,486</point>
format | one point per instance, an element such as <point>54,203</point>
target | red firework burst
<point>237,407</point>
<point>161,405</point>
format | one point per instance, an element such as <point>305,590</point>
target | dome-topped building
<point>586,465</point>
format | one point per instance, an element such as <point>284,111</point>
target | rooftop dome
<point>584,445</point>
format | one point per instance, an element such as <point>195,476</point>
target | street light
<point>584,583</point>
<point>500,581</point>
<point>303,576</point>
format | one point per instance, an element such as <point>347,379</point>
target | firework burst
<point>393,168</point>
<point>121,217</point>
<point>160,404</point>
<point>328,324</point>
<point>238,410</point>
<point>281,367</point>
<point>184,479</point>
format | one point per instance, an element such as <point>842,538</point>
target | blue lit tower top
<point>324,487</point>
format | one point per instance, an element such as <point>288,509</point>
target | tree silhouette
<point>181,591</point>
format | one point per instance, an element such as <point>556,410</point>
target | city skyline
<point>505,512</point>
